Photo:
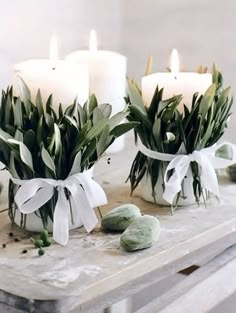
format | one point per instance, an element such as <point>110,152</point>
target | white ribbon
<point>180,163</point>
<point>85,195</point>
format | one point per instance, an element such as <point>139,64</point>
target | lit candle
<point>53,76</point>
<point>175,83</point>
<point>107,78</point>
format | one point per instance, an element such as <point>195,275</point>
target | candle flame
<point>53,50</point>
<point>174,62</point>
<point>93,41</point>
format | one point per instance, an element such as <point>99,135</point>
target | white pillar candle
<point>107,78</point>
<point>175,83</point>
<point>52,76</point>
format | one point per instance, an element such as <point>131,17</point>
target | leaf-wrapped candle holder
<point>50,156</point>
<point>177,157</point>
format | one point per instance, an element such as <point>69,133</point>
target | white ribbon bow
<point>85,195</point>
<point>180,163</point>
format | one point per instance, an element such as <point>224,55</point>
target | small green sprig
<point>164,129</point>
<point>43,242</point>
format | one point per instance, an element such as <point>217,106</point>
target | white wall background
<point>202,31</point>
<point>26,27</point>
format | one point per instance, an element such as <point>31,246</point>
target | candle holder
<point>177,157</point>
<point>50,156</point>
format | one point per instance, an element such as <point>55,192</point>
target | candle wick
<point>175,77</point>
<point>53,68</point>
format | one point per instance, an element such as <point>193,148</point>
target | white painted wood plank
<point>156,290</point>
<point>227,306</point>
<point>7,309</point>
<point>189,282</point>
<point>123,306</point>
<point>208,293</point>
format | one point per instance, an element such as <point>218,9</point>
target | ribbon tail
<point>82,208</point>
<point>61,219</point>
<point>208,177</point>
<point>180,165</point>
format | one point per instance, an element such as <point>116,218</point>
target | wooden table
<point>93,272</point>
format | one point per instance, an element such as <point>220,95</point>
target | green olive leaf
<point>25,93</point>
<point>123,128</point>
<point>47,159</point>
<point>25,154</point>
<point>103,140</point>
<point>76,167</point>
<point>207,100</point>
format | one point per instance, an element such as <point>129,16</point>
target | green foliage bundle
<point>36,141</point>
<point>164,129</point>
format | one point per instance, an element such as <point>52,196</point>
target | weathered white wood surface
<point>209,290</point>
<point>92,271</point>
<point>179,296</point>
<point>123,306</point>
<point>7,309</point>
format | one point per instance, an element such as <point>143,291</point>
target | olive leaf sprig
<point>164,129</point>
<point>38,141</point>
